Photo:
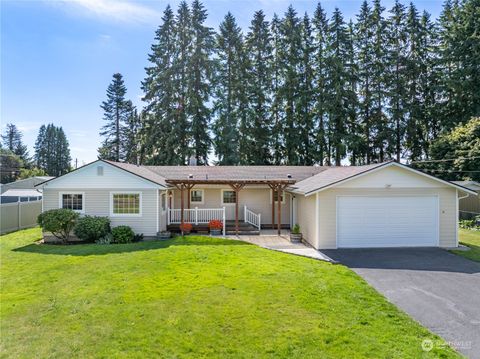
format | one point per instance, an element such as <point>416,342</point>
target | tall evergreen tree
<point>290,55</point>
<point>396,74</point>
<point>200,73</point>
<point>364,55</point>
<point>257,130</point>
<point>320,86</point>
<point>306,102</point>
<point>381,140</point>
<point>52,152</point>
<point>277,109</point>
<point>181,65</point>
<point>12,141</point>
<point>337,84</point>
<point>117,112</point>
<point>160,95</point>
<point>229,88</point>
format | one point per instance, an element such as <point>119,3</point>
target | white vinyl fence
<point>19,215</point>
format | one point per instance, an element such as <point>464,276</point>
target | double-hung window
<point>125,204</point>
<point>196,196</point>
<point>228,196</point>
<point>73,200</point>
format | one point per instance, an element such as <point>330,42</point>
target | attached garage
<point>384,221</point>
<point>379,205</point>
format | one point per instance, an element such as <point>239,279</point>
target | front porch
<point>242,211</point>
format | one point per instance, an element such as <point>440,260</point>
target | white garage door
<point>387,221</point>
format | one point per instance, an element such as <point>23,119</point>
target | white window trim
<point>60,200</point>
<point>203,196</point>
<point>283,196</point>
<point>221,197</point>
<point>125,214</point>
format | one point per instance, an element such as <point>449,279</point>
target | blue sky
<point>58,57</point>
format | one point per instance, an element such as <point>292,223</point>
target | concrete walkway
<point>271,240</point>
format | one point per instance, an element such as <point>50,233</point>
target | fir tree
<point>160,96</point>
<point>52,152</point>
<point>229,88</point>
<point>257,130</point>
<point>337,83</point>
<point>396,74</point>
<point>277,108</point>
<point>290,59</point>
<point>306,102</point>
<point>12,140</point>
<point>117,111</point>
<point>320,45</point>
<point>200,73</point>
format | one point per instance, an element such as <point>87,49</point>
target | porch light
<point>190,176</point>
<point>289,175</point>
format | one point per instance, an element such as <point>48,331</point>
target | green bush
<point>92,228</point>
<point>123,234</point>
<point>296,229</point>
<point>59,222</point>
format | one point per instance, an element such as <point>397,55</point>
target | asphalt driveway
<point>438,289</point>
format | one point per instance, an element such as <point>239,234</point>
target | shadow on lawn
<point>97,249</point>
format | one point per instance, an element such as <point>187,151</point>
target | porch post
<point>182,205</point>
<point>236,187</point>
<point>279,210</point>
<point>272,188</point>
<point>188,199</point>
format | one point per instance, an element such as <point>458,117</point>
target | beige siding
<point>306,211</point>
<point>327,210</point>
<point>256,199</point>
<point>97,203</point>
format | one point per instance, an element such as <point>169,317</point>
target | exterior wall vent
<point>99,170</point>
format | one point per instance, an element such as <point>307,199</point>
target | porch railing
<point>196,215</point>
<point>253,218</point>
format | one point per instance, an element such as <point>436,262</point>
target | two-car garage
<point>382,221</point>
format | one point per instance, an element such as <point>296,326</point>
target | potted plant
<point>216,227</point>
<point>164,235</point>
<point>295,235</point>
<point>186,227</point>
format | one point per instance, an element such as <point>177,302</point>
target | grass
<point>193,297</point>
<point>471,239</point>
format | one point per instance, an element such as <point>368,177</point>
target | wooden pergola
<point>277,186</point>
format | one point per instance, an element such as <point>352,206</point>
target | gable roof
<point>337,175</point>
<point>333,175</point>
<point>307,179</point>
<point>139,171</point>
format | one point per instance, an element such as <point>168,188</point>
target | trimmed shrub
<point>92,228</point>
<point>296,229</point>
<point>59,222</point>
<point>123,234</point>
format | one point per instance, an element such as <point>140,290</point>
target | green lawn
<point>195,297</point>
<point>471,239</point>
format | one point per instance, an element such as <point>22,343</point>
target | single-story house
<point>22,190</point>
<point>379,205</point>
<point>469,207</point>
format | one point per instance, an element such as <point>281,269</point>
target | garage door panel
<point>387,221</point>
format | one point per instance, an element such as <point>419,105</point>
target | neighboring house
<point>22,190</point>
<point>379,205</point>
<point>469,207</point>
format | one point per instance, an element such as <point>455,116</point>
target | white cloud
<point>116,10</point>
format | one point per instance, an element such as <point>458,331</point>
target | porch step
<point>244,233</point>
